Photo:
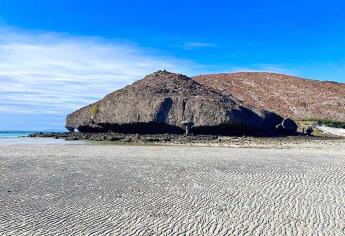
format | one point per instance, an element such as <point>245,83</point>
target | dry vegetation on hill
<point>286,95</point>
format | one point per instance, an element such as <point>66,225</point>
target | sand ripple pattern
<point>130,190</point>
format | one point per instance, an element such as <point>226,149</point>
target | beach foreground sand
<point>171,190</point>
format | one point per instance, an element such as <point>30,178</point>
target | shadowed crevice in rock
<point>183,108</point>
<point>90,129</point>
<point>244,115</point>
<point>142,128</point>
<point>164,109</point>
<point>225,129</point>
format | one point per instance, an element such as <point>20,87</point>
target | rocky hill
<point>288,96</point>
<point>164,102</point>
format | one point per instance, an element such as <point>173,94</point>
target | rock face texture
<point>162,102</point>
<point>287,96</point>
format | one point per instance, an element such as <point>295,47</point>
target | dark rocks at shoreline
<point>126,138</point>
<point>56,135</point>
<point>140,138</point>
<point>118,138</point>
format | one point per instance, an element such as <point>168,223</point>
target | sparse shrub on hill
<point>94,111</point>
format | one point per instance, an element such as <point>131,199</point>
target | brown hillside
<point>286,95</point>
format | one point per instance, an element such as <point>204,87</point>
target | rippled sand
<point>173,190</point>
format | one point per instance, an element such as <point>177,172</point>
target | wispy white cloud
<point>52,73</point>
<point>193,45</point>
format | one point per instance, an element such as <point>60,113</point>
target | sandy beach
<point>96,189</point>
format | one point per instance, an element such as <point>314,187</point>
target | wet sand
<point>79,189</point>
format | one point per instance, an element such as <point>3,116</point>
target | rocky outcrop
<point>288,96</point>
<point>163,102</point>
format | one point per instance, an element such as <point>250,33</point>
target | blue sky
<point>56,56</point>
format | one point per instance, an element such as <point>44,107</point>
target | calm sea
<point>14,134</point>
<point>21,137</point>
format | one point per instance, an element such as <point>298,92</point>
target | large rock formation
<point>163,102</point>
<point>287,96</point>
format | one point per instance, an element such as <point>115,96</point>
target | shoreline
<point>193,140</point>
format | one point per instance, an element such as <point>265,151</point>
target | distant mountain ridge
<point>289,96</point>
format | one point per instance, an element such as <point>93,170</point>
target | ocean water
<point>14,134</point>
<point>21,137</point>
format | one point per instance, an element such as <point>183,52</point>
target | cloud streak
<point>49,73</point>
<point>195,45</point>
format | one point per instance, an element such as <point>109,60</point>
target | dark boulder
<point>270,120</point>
<point>309,131</point>
<point>287,127</point>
